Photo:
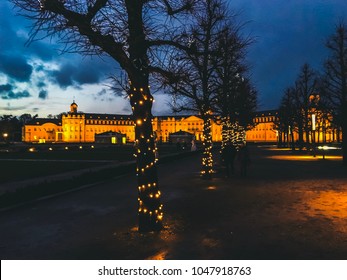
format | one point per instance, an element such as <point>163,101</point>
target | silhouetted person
<point>244,160</point>
<point>193,148</point>
<point>228,157</point>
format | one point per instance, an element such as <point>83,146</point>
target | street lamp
<point>314,101</point>
<point>5,135</point>
<point>313,133</point>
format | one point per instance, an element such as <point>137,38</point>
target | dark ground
<point>289,207</point>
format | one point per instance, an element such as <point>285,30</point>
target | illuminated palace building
<point>79,127</point>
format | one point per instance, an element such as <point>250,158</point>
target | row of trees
<point>210,78</point>
<point>11,127</point>
<point>320,94</point>
<point>191,47</point>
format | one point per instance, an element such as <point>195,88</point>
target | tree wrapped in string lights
<point>207,159</point>
<point>236,99</point>
<point>232,133</point>
<point>194,85</point>
<point>138,35</point>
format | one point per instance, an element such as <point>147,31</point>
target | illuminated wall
<point>42,131</point>
<point>78,127</point>
<point>264,129</point>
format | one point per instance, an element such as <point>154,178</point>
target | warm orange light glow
<point>331,204</point>
<point>313,122</point>
<point>303,157</point>
<point>159,256</point>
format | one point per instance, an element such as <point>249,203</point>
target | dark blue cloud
<point>63,77</point>
<point>86,71</point>
<point>5,88</point>
<point>14,36</point>
<point>41,84</point>
<point>15,95</point>
<point>88,75</point>
<point>16,67</point>
<point>43,94</point>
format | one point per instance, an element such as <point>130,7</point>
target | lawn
<point>45,160</point>
<point>12,170</point>
<point>22,165</point>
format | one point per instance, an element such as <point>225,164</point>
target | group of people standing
<point>232,155</point>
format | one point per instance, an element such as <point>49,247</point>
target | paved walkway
<point>289,207</point>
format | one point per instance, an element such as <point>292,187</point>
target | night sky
<point>38,79</point>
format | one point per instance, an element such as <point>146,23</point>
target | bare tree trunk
<point>291,134</point>
<point>301,135</point>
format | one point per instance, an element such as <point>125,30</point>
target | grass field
<point>20,170</point>
<point>22,164</point>
<point>76,152</point>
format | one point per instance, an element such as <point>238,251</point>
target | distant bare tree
<point>25,118</point>
<point>298,104</point>
<point>335,81</point>
<point>306,86</point>
<point>246,102</point>
<point>236,98</point>
<point>288,116</point>
<point>194,85</point>
<point>10,128</point>
<point>136,34</point>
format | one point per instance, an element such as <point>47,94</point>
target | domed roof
<point>73,107</point>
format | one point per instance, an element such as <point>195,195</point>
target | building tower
<point>73,107</point>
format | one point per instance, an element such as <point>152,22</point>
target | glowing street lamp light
<point>313,127</point>
<point>313,133</point>
<point>313,122</point>
<point>5,135</point>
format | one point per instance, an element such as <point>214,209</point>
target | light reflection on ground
<point>304,157</point>
<point>278,149</point>
<point>332,204</point>
<point>159,256</point>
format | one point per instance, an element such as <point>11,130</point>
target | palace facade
<point>264,130</point>
<point>79,127</point>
